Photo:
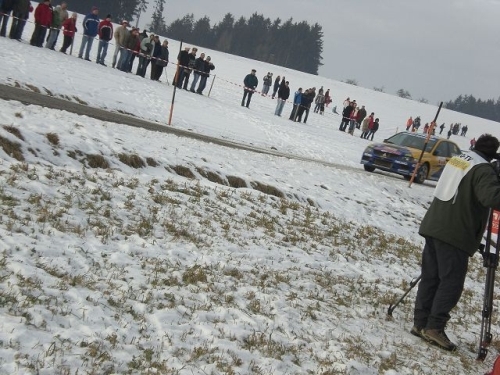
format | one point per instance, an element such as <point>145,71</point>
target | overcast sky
<point>434,49</point>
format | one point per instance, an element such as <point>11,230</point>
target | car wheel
<point>406,177</point>
<point>368,168</point>
<point>422,174</point>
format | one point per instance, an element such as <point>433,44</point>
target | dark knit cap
<point>488,145</point>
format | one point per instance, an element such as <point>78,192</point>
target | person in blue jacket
<point>297,99</point>
<point>90,30</point>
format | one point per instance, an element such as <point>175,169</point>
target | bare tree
<point>403,94</point>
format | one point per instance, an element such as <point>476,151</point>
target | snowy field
<point>208,260</point>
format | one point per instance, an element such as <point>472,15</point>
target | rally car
<point>400,153</point>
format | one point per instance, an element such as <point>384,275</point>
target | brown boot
<point>439,338</point>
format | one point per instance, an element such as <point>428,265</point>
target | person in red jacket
<point>105,30</point>
<point>69,31</point>
<point>43,19</point>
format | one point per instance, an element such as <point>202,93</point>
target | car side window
<point>454,149</point>
<point>442,150</point>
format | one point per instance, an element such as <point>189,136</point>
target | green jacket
<point>461,221</point>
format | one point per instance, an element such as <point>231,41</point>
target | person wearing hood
<point>90,30</point>
<point>453,228</point>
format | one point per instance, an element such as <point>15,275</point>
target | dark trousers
<point>156,71</point>
<point>344,123</point>
<point>4,18</point>
<point>294,111</point>
<point>300,112</point>
<point>17,26</point>
<point>247,94</point>
<point>66,43</point>
<point>444,268</point>
<point>38,35</point>
<point>202,85</point>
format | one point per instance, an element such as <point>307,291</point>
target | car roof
<point>424,135</point>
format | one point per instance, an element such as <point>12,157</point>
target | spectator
<point>453,228</point>
<point>59,15</point>
<point>276,86</point>
<point>267,82</point>
<point>361,116</point>
<point>409,123</point>
<point>283,94</point>
<point>305,104</point>
<point>416,124</point>
<point>105,31</point>
<point>20,14</point>
<point>159,58</point>
<point>69,30</point>
<point>347,102</point>
<point>199,66</point>
<point>250,83</point>
<point>320,102</point>
<point>120,35</point>
<point>190,67</point>
<point>346,116</point>
<point>352,120</point>
<point>297,99</point>
<point>366,125</point>
<point>207,68</point>
<point>441,128</point>
<point>90,28</point>
<point>128,49</point>
<point>182,64</point>
<point>6,7</point>
<point>373,129</point>
<point>43,19</point>
<point>146,49</point>
<point>472,143</point>
<point>328,98</point>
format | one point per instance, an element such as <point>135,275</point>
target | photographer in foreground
<point>453,228</point>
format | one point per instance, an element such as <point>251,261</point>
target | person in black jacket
<point>159,58</point>
<point>182,62</point>
<point>453,228</point>
<point>208,66</point>
<point>199,66</point>
<point>189,69</point>
<point>250,83</point>
<point>20,13</point>
<point>346,116</point>
<point>283,95</point>
<point>277,85</point>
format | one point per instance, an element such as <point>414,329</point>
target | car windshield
<point>411,140</point>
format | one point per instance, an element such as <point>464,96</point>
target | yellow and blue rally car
<point>399,154</point>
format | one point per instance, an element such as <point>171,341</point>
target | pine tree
<point>158,25</point>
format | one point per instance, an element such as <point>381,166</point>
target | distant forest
<point>119,9</point>
<point>295,45</point>
<point>487,109</point>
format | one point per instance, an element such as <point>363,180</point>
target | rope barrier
<point>149,57</point>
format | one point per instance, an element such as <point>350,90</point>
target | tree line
<point>119,9</point>
<point>487,109</point>
<point>295,45</point>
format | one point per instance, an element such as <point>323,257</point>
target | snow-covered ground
<point>125,270</point>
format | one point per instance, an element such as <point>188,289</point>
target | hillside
<point>135,252</point>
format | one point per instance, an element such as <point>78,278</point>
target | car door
<point>441,155</point>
